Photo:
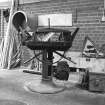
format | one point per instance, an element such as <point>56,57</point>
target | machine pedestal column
<point>45,85</point>
<point>47,65</point>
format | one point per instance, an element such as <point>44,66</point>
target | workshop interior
<point>52,48</point>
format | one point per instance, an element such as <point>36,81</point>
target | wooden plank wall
<point>86,16</point>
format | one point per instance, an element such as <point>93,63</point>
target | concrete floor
<point>12,84</point>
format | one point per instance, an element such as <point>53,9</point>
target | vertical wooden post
<point>2,24</point>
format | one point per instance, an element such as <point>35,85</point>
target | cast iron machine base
<point>46,83</point>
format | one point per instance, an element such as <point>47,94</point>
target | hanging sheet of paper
<point>55,20</point>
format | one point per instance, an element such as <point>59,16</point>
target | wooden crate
<point>97,82</point>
